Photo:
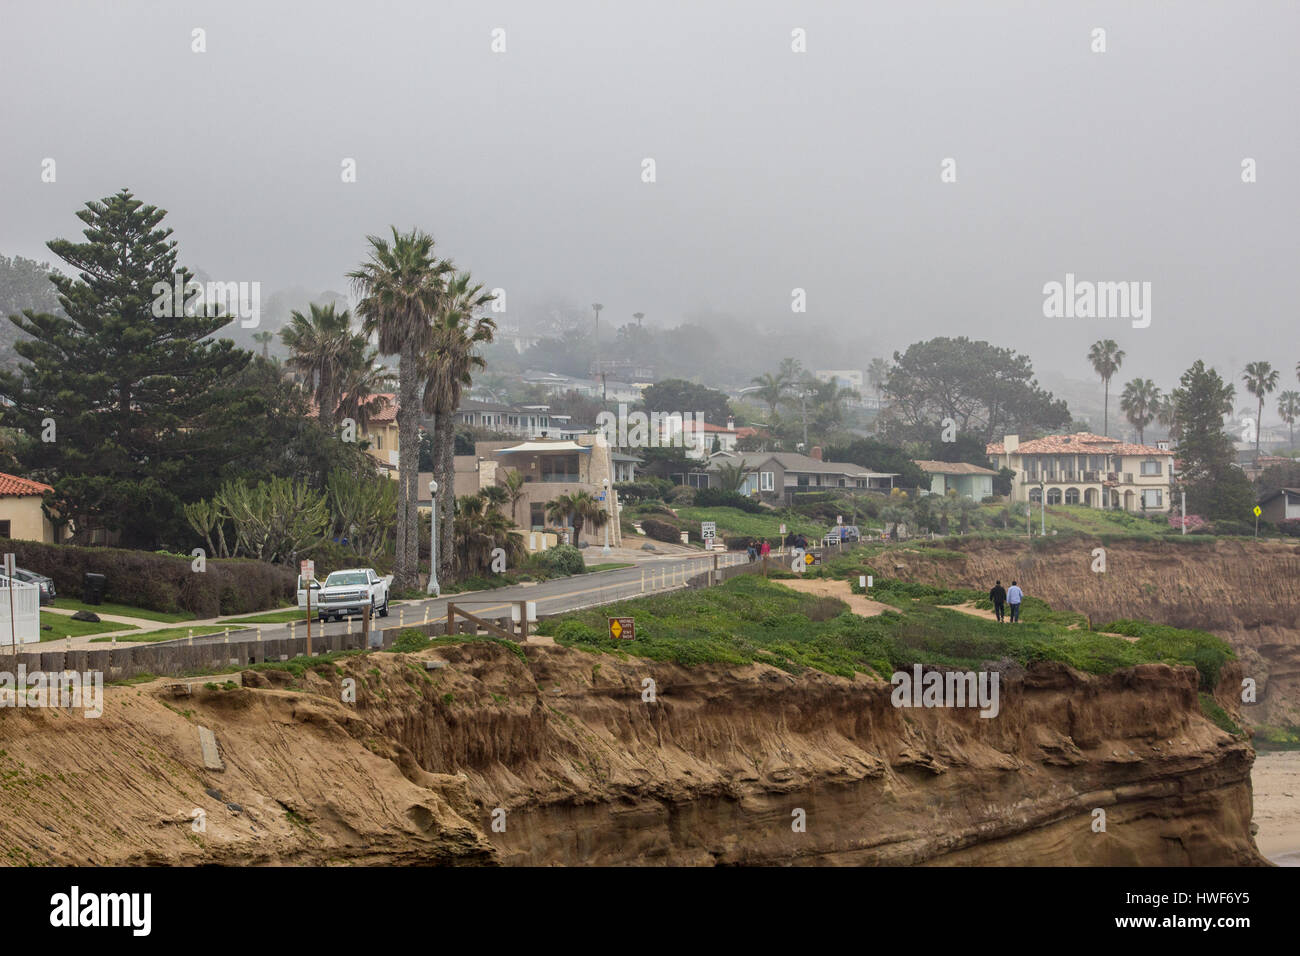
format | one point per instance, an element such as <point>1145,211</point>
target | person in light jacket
<point>1014,597</point>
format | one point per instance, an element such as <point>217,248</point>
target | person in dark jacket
<point>998,595</point>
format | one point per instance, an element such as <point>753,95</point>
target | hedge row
<point>161,582</point>
<point>661,530</point>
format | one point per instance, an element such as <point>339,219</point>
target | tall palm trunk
<point>1259,422</point>
<point>406,565</point>
<point>444,444</point>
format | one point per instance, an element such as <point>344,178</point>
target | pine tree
<point>1216,488</point>
<point>126,412</point>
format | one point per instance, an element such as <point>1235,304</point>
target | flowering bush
<point>1193,522</point>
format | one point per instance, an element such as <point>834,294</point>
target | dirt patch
<point>821,587</point>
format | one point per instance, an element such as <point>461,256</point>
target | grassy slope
<point>750,619</point>
<point>62,626</point>
<point>125,610</point>
<point>733,521</point>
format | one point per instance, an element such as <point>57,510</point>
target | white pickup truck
<point>344,593</point>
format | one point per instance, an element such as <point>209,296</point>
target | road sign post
<point>1258,512</point>
<point>307,571</point>
<point>708,533</point>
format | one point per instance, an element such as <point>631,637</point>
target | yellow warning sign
<point>622,628</point>
<point>1258,511</point>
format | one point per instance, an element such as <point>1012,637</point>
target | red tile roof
<point>383,408</point>
<point>1080,443</point>
<point>12,485</point>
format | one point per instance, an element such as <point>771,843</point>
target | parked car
<point>302,594</point>
<point>842,534</point>
<point>346,592</point>
<point>31,577</point>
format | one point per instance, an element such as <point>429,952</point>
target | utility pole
<point>596,307</point>
<point>608,518</point>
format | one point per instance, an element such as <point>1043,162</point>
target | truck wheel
<point>383,611</point>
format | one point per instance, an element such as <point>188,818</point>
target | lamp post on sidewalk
<point>608,508</point>
<point>433,588</point>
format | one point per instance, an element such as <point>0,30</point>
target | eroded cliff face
<point>1248,593</point>
<point>582,770</point>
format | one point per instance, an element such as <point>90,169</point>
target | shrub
<point>661,530</point>
<point>681,495</point>
<point>564,559</point>
<point>410,641</point>
<point>160,582</point>
<point>1291,526</point>
<point>717,498</point>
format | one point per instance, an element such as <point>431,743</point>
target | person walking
<point>766,549</point>
<point>1014,597</point>
<point>751,551</point>
<point>998,595</point>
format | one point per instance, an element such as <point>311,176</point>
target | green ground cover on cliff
<point>750,619</point>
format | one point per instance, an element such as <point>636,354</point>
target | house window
<point>379,440</point>
<point>4,529</point>
<point>1035,495</point>
<point>1071,496</point>
<point>1053,496</point>
<point>1152,498</point>
<point>767,481</point>
<point>1150,467</point>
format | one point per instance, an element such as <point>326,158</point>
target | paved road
<point>552,597</point>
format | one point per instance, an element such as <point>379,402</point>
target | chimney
<point>731,423</point>
<point>1011,444</point>
<point>816,452</point>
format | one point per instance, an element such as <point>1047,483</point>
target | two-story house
<point>1086,469</point>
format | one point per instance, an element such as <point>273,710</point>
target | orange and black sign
<point>622,628</point>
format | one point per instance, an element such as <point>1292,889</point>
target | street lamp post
<point>596,307</point>
<point>608,508</point>
<point>1042,487</point>
<point>433,540</point>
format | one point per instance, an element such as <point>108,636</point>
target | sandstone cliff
<point>581,770</point>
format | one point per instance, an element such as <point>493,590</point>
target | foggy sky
<point>775,170</point>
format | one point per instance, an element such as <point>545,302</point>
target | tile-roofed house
<point>1087,469</point>
<point>21,516</point>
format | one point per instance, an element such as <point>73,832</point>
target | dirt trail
<point>823,587</point>
<point>1245,592</point>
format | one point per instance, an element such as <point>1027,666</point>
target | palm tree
<point>562,511</point>
<point>514,485</point>
<point>1260,379</point>
<point>361,381</point>
<point>399,288</point>
<point>878,376</point>
<point>1139,402</point>
<point>771,388</point>
<point>1288,406</point>
<point>263,338</point>
<point>318,343</point>
<point>1106,358</point>
<point>495,495</point>
<point>479,530</point>
<point>448,366</point>
<point>731,477</point>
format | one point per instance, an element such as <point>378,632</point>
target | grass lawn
<point>62,626</point>
<point>272,617</point>
<point>732,522</point>
<point>609,566</point>
<point>166,634</point>
<point>1063,518</point>
<point>751,619</point>
<point>125,610</point>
